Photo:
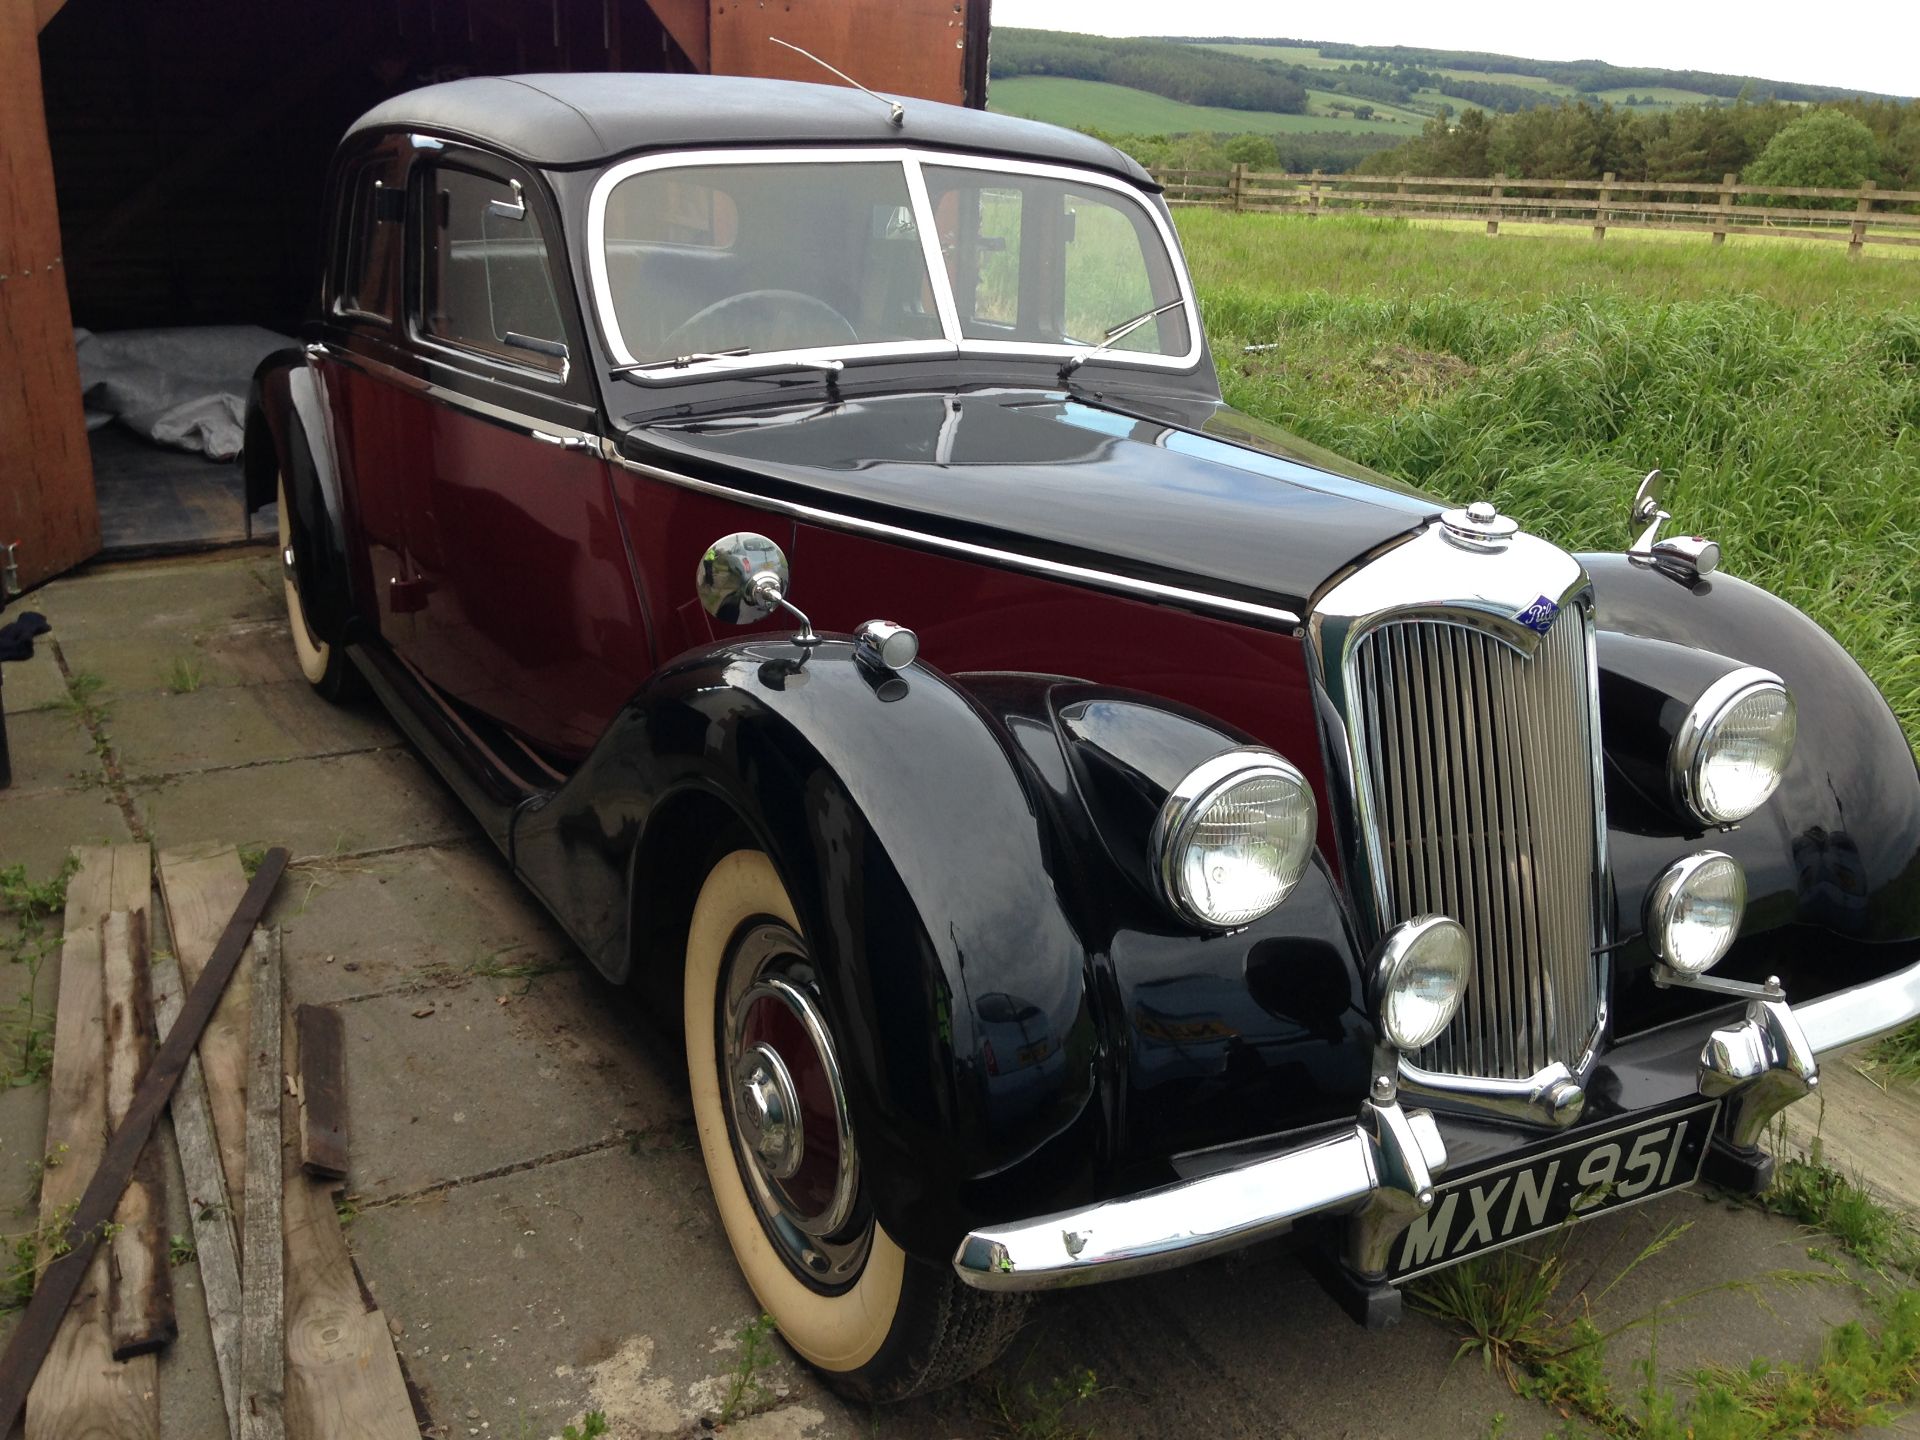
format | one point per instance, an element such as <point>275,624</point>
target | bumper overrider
<point>1378,1176</point>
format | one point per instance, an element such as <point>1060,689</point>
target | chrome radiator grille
<point>1480,804</point>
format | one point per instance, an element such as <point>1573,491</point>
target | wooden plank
<point>39,1327</point>
<point>323,1091</point>
<point>207,1209</point>
<point>140,1314</point>
<point>79,1390</point>
<point>343,1378</point>
<point>263,1337</point>
<point>46,502</point>
<point>202,885</point>
<point>897,47</point>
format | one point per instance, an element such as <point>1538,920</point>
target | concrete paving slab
<point>34,684</point>
<point>1847,1122</point>
<point>381,800</point>
<point>422,916</point>
<point>249,652</point>
<point>37,830</point>
<point>452,1084</point>
<point>599,1283</point>
<point>129,625</point>
<point>159,733</point>
<point>51,750</point>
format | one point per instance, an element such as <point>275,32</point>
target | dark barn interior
<point>189,144</point>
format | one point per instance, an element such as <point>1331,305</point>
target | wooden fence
<point>1729,208</point>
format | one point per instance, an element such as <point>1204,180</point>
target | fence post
<point>1313,194</point>
<point>1493,220</point>
<point>1857,237</point>
<point>1600,210</point>
<point>1399,197</point>
<point>1726,209</point>
<point>1236,185</point>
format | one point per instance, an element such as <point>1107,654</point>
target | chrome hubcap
<point>792,1135</point>
<point>767,1111</point>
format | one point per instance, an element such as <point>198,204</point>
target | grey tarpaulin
<point>183,387</point>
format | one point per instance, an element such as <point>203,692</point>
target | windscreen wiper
<point>1118,332</point>
<point>652,372</point>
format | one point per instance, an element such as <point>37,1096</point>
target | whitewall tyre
<point>329,672</point>
<point>781,1156</point>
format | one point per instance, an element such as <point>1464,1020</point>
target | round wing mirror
<point>1648,501</point>
<point>743,578</point>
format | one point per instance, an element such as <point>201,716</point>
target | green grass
<point>1122,110</point>
<point>1779,388</point>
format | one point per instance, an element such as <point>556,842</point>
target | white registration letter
<point>1427,1236</point>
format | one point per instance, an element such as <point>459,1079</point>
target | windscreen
<point>766,257</point>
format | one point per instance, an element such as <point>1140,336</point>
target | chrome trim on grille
<point>1463,715</point>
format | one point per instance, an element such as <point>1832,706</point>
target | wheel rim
<point>787,1108</point>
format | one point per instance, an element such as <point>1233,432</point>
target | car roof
<point>561,121</point>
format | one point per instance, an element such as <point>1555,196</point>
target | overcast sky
<point>1867,44</point>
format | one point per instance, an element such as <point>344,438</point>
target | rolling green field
<point>1778,386</point>
<point>1119,109</point>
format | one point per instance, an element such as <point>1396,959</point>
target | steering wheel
<point>763,319</point>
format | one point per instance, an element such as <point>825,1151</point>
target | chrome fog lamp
<point>1234,838</point>
<point>1420,978</point>
<point>1733,746</point>
<point>1694,910</point>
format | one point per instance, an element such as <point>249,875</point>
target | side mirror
<point>1649,512</point>
<point>743,578</point>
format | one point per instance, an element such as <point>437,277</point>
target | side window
<point>369,278</point>
<point>485,284</point>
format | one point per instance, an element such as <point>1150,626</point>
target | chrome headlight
<point>1233,838</point>
<point>1421,975</point>
<point>1733,746</point>
<point>1694,910</point>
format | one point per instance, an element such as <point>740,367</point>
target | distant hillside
<point>1190,74</point>
<point>1571,77</point>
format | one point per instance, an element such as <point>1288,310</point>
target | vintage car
<point>1156,834</point>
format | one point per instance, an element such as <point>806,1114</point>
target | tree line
<point>1840,145</point>
<point>1187,73</point>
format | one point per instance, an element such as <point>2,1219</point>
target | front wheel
<point>770,1105</point>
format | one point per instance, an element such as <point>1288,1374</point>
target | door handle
<point>565,442</point>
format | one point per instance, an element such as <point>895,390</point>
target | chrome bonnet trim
<point>1268,617</point>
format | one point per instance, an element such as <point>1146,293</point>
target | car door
<point>523,597</point>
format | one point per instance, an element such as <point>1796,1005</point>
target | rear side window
<point>369,280</point>
<point>486,284</point>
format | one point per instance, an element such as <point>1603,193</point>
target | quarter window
<point>368,283</point>
<point>486,284</point>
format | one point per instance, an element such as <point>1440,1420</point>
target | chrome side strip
<point>546,430</point>
<point>1268,616</point>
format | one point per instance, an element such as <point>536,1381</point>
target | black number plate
<point>1576,1180</point>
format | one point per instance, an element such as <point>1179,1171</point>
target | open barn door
<point>46,474</point>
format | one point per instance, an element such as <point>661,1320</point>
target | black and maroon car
<point>1156,834</point>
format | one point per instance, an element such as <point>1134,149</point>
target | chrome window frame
<point>910,159</point>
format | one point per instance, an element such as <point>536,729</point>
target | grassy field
<point>1778,386</point>
<point>1122,110</point>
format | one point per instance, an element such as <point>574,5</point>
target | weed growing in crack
<point>746,1391</point>
<point>592,1426</point>
<point>184,675</point>
<point>1043,1412</point>
<point>1549,1348</point>
<point>26,1036</point>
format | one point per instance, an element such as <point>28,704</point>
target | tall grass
<point>1780,394</point>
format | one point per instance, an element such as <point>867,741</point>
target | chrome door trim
<point>549,431</point>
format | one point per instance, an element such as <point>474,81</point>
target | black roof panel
<point>567,120</point>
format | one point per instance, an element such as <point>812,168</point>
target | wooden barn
<point>161,164</point>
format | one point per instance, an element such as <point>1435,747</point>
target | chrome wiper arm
<point>650,371</point>
<point>1118,332</point>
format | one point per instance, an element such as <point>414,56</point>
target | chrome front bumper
<point>1383,1166</point>
<point>1380,1171</point>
